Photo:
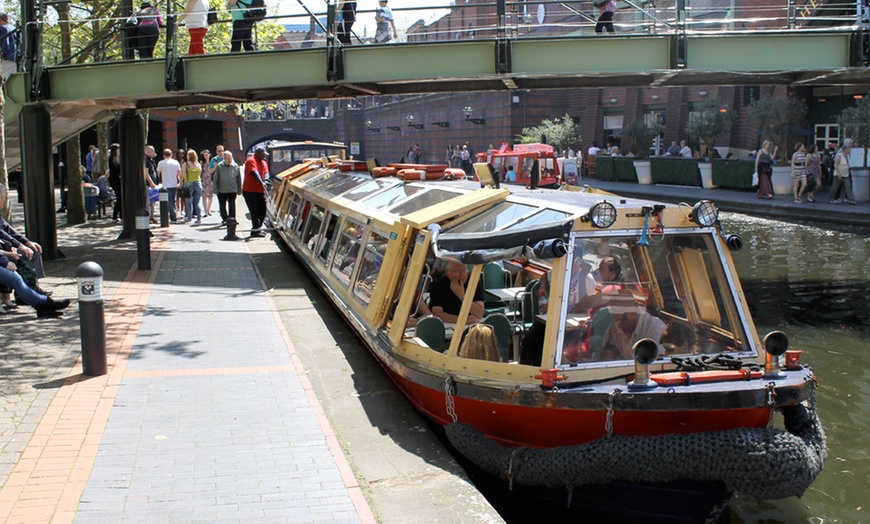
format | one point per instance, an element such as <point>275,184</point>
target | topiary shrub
<point>615,169</point>
<point>733,173</point>
<point>676,171</point>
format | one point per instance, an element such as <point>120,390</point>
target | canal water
<point>813,283</point>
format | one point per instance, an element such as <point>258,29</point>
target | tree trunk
<point>103,146</point>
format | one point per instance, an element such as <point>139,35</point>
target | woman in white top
<point>195,15</point>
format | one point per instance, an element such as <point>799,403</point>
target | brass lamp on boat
<point>645,353</point>
<point>775,345</point>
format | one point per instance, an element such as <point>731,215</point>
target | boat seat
<point>504,332</point>
<point>431,330</point>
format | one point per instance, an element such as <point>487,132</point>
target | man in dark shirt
<point>447,293</point>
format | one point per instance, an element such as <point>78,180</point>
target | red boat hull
<point>545,427</point>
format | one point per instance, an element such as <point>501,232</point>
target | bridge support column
<point>134,195</point>
<point>39,217</point>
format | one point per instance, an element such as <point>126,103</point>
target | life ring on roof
<point>455,173</point>
<point>383,171</point>
<point>420,174</point>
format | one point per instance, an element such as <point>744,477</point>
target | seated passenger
<point>447,293</point>
<point>630,324</point>
<point>511,175</point>
<point>678,338</point>
<point>480,343</point>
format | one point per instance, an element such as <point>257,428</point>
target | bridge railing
<point>81,35</point>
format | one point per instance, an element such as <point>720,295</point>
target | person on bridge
<point>254,189</point>
<point>195,17</point>
<point>148,29</point>
<point>385,22</point>
<point>346,18</point>
<point>242,27</point>
<point>8,46</point>
<point>605,16</point>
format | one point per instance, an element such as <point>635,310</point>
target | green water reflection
<point>814,284</point>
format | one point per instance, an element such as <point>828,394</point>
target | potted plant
<point>854,123</point>
<point>642,133</point>
<point>776,115</point>
<point>710,121</point>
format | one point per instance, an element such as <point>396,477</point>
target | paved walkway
<point>205,414</point>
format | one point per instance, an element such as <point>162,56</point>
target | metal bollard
<point>143,238</point>
<point>92,319</point>
<point>231,229</point>
<point>164,207</point>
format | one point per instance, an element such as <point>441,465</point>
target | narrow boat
<point>624,350</point>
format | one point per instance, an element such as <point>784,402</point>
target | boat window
<point>333,180</point>
<point>673,291</point>
<point>319,178</point>
<point>373,258</point>
<point>321,243</point>
<point>312,235</point>
<point>366,190</point>
<point>392,196</point>
<point>542,217</point>
<point>300,220</point>
<point>347,250</point>
<point>423,200</point>
<point>493,218</point>
<point>294,209</point>
<point>349,182</point>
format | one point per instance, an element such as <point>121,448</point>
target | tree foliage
<point>563,132</point>
<point>711,121</point>
<point>854,122</point>
<point>776,115</point>
<point>642,134</point>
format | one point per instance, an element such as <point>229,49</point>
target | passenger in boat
<point>630,324</point>
<point>480,344</point>
<point>511,175</point>
<point>448,292</point>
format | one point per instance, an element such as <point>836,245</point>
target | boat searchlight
<point>705,213</point>
<point>775,345</point>
<point>602,214</point>
<point>645,353</point>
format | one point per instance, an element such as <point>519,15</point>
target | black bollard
<point>164,207</point>
<point>92,319</point>
<point>231,229</point>
<point>143,238</point>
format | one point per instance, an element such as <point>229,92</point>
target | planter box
<point>733,174</point>
<point>675,171</point>
<point>782,182</point>
<point>615,169</point>
<point>706,170</point>
<point>644,171</point>
<point>861,183</point>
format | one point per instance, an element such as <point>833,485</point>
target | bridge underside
<point>79,95</point>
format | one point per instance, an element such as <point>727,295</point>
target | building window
<point>827,134</point>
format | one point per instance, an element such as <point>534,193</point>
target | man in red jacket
<point>254,189</point>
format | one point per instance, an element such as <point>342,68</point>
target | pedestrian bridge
<point>660,48</point>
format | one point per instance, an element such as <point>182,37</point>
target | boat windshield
<point>494,218</point>
<point>675,291</point>
<point>422,200</point>
<point>392,196</point>
<point>366,190</point>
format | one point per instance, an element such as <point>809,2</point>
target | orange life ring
<point>455,173</point>
<point>419,174</point>
<point>383,171</point>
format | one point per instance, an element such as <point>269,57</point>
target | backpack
<point>256,11</point>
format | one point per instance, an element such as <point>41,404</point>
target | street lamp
<point>372,129</point>
<point>468,111</point>
<point>410,119</point>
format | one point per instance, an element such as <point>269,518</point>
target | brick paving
<point>204,415</point>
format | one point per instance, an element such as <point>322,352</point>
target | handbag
<point>131,22</point>
<point>754,178</point>
<point>184,192</point>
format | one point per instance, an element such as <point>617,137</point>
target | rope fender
<point>766,463</point>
